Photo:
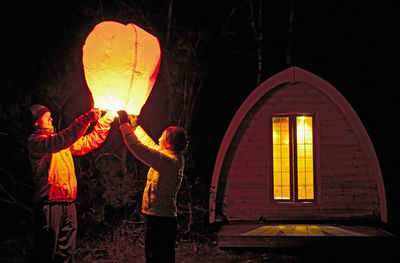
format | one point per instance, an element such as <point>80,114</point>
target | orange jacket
<point>51,153</point>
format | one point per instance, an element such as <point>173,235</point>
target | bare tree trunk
<point>171,3</point>
<point>257,26</point>
<point>289,59</point>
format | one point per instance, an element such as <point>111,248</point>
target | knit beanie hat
<point>37,111</point>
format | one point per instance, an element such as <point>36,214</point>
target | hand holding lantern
<point>91,116</point>
<point>134,120</point>
<point>123,117</point>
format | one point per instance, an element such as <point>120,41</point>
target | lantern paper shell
<point>121,64</point>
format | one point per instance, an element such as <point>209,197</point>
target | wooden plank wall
<point>345,187</point>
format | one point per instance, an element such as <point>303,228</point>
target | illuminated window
<point>281,158</point>
<point>293,158</point>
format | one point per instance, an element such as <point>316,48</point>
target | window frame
<point>293,158</point>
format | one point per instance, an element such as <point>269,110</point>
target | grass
<point>125,244</point>
<point>123,251</point>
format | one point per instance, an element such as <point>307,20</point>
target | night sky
<point>351,44</point>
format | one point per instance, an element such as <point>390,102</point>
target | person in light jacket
<point>55,182</point>
<point>166,162</point>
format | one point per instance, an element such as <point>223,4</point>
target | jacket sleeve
<point>61,140</point>
<point>148,155</point>
<point>94,139</point>
<point>144,138</point>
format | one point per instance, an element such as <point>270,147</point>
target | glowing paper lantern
<point>121,64</point>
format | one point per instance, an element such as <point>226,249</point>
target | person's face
<point>162,141</point>
<point>45,122</point>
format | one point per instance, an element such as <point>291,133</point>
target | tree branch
<point>258,33</point>
<point>12,200</point>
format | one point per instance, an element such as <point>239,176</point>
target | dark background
<point>209,67</point>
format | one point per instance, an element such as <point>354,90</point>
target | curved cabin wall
<point>348,183</point>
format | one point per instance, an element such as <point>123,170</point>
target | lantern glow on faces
<point>121,64</point>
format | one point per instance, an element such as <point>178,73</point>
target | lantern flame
<point>121,64</point>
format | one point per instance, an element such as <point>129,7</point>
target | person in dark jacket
<point>55,185</point>
<point>164,178</point>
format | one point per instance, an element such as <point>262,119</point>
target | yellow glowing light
<point>305,163</point>
<point>114,113</point>
<point>121,64</point>
<point>298,152</point>
<point>281,158</point>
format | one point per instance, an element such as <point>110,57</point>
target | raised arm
<point>150,156</point>
<point>95,138</point>
<point>65,138</point>
<point>144,138</point>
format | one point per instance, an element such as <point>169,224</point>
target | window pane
<point>309,151</point>
<point>276,139</point>
<point>281,158</point>
<point>301,192</point>
<point>277,151</point>
<point>309,165</point>
<point>277,192</point>
<point>309,192</point>
<point>286,192</point>
<point>277,177</point>
<point>277,166</point>
<point>301,179</point>
<point>308,123</point>
<point>301,167</point>
<point>286,178</point>
<point>305,162</point>
<point>286,151</point>
<point>308,138</point>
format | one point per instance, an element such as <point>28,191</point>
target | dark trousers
<point>160,239</point>
<point>55,233</point>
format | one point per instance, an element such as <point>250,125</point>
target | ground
<point>210,252</point>
<point>120,249</point>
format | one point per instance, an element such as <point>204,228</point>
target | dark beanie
<point>37,111</point>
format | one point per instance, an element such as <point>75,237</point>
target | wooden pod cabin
<point>296,151</point>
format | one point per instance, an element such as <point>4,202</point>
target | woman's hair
<point>177,137</point>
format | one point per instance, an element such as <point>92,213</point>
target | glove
<point>123,117</point>
<point>134,120</point>
<point>91,116</point>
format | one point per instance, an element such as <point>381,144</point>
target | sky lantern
<point>121,64</point>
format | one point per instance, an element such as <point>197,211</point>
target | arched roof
<point>290,75</point>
